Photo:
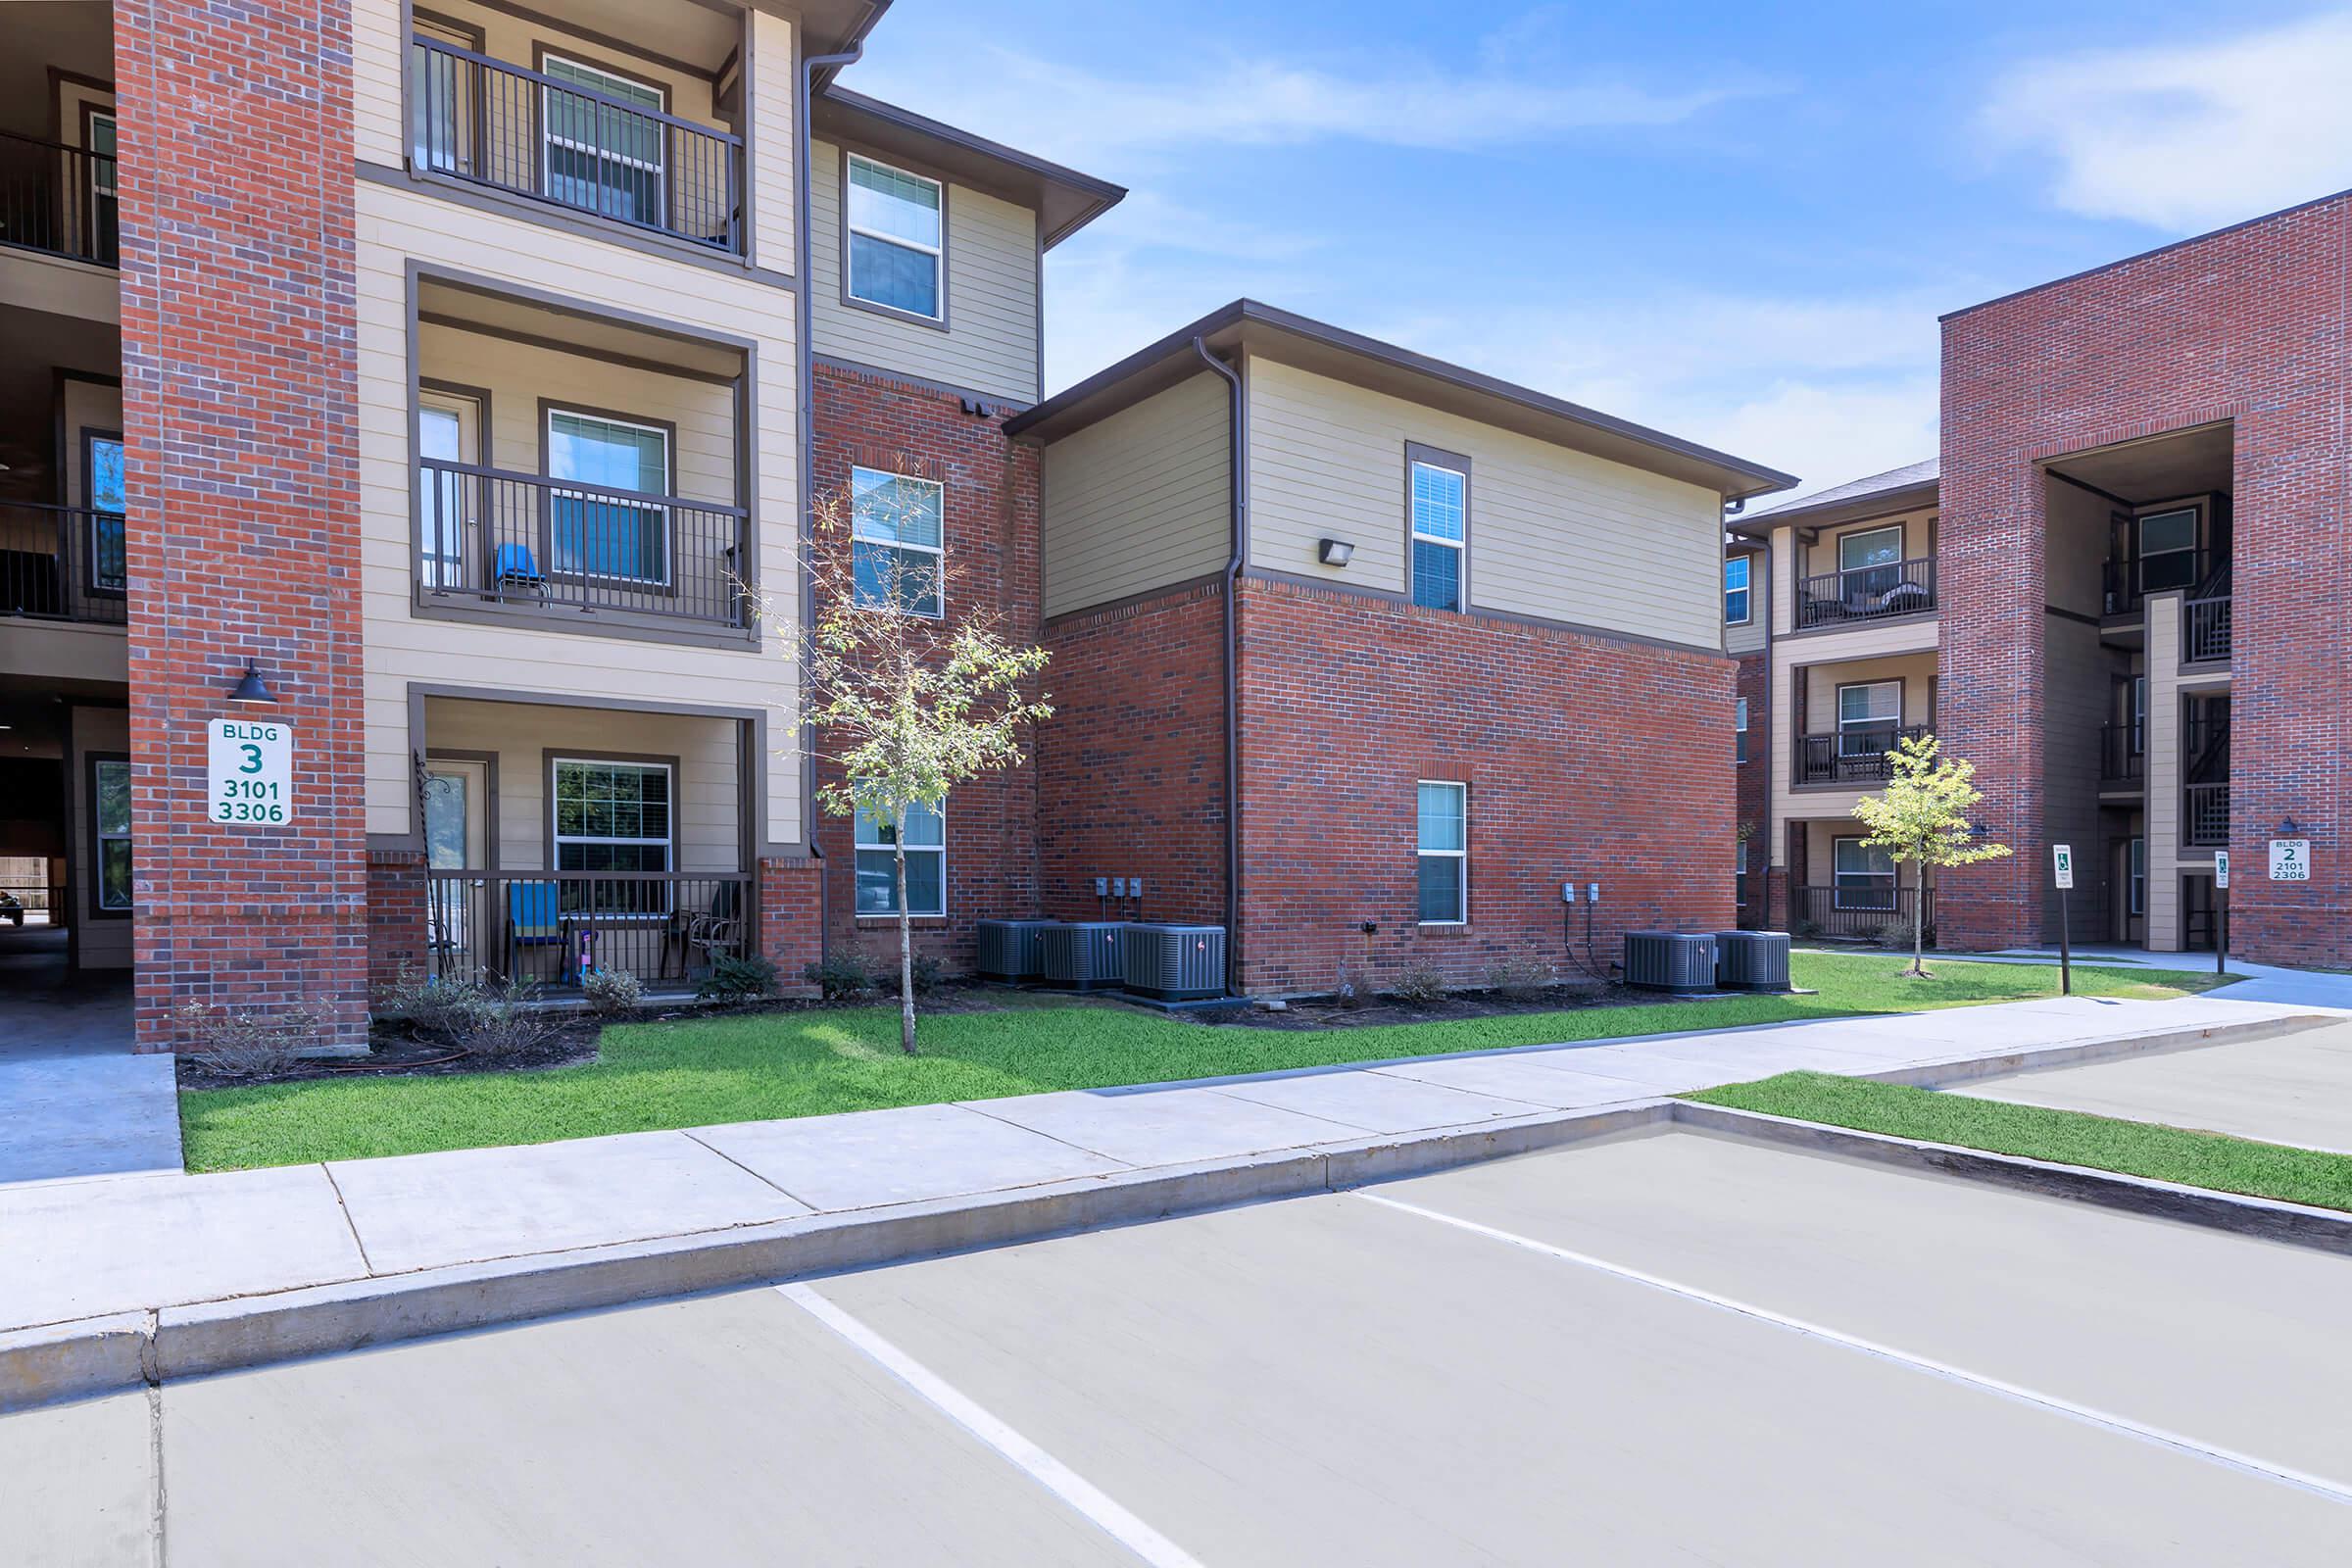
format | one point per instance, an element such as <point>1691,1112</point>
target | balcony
<point>59,199</point>
<point>2126,583</point>
<point>1859,911</point>
<point>2205,815</point>
<point>61,563</point>
<point>565,142</point>
<point>547,928</point>
<point>489,537</point>
<point>1866,593</point>
<point>2205,627</point>
<point>2122,755</point>
<point>1854,756</point>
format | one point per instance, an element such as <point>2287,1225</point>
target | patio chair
<point>534,919</point>
<point>714,933</point>
<point>518,567</point>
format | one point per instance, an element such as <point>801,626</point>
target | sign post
<point>2220,911</point>
<point>2061,863</point>
<point>250,771</point>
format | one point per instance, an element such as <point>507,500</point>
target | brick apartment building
<point>448,386</point>
<point>2116,592</point>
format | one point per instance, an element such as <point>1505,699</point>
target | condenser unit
<point>1669,960</point>
<point>1751,961</point>
<point>1174,962</point>
<point>1081,954</point>
<point>1011,950</point>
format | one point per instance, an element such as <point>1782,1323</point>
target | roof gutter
<point>1238,513</point>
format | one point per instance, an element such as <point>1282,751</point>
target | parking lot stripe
<point>1073,1489</point>
<point>2335,1490</point>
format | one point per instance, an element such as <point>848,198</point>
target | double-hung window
<point>102,467</point>
<point>613,817</point>
<point>109,833</point>
<point>2168,550</point>
<point>897,533</point>
<point>2136,868</point>
<point>1869,564</point>
<point>592,533</point>
<point>1865,877</point>
<point>600,151</point>
<point>104,239</point>
<point>926,838</point>
<point>1440,510</point>
<point>1737,572</point>
<point>1739,729</point>
<point>1868,717</point>
<point>896,240</point>
<point>1444,853</point>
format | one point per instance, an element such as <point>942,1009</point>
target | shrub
<point>611,992</point>
<point>429,1004</point>
<point>1805,930</point>
<point>738,979</point>
<point>1519,978</point>
<point>928,976</point>
<point>505,1020</point>
<point>1353,990</point>
<point>1419,983</point>
<point>844,973</point>
<point>243,1044</point>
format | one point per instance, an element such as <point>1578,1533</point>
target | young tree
<point>1922,819</point>
<point>908,701</point>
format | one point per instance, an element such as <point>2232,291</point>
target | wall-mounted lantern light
<point>1334,552</point>
<point>2288,827</point>
<point>252,689</point>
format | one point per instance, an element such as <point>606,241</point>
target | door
<point>457,839</point>
<point>449,428</point>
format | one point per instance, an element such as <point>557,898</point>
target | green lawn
<point>2065,1137</point>
<point>695,1072</point>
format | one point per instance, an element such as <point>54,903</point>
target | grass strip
<point>2213,1160</point>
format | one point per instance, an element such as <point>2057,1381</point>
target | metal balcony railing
<point>2197,573</point>
<point>2205,815</point>
<point>1857,755</point>
<point>2205,630</point>
<point>1866,593</point>
<point>550,927</point>
<point>483,534</point>
<point>1860,910</point>
<point>2123,754</point>
<point>59,199</point>
<point>62,562</point>
<point>488,123</point>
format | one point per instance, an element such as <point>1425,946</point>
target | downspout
<point>806,439</point>
<point>1238,508</point>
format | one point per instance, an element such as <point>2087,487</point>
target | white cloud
<point>2188,137</point>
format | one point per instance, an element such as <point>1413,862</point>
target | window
<point>105,208</point>
<point>1735,578</point>
<point>926,864</point>
<point>1868,717</point>
<point>612,817</point>
<point>2139,714</point>
<point>896,238</point>
<point>896,539</point>
<point>109,833</point>
<point>1864,877</point>
<point>1440,507</point>
<point>1740,859</point>
<point>1443,848</point>
<point>2168,550</point>
<point>1871,562</point>
<point>600,155</point>
<point>101,479</point>
<point>1740,729</point>
<point>2137,876</point>
<point>602,536</point>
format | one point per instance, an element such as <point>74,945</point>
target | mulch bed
<point>1324,1013</point>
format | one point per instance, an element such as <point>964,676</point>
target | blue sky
<point>1735,223</point>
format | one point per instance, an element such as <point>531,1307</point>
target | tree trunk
<point>898,856</point>
<point>1919,919</point>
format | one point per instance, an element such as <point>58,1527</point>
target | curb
<point>2267,1219</point>
<point>2027,1058</point>
<point>104,1355</point>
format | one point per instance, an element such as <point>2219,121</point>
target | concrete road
<point>2295,1089</point>
<point>1666,1348</point>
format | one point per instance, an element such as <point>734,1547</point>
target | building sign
<point>2221,868</point>
<point>2291,860</point>
<point>250,771</point>
<point>2062,861</point>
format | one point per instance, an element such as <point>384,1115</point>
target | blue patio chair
<point>532,918</point>
<point>517,566</point>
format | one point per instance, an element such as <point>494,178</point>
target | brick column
<point>240,391</point>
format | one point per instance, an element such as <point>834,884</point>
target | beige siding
<point>521,735</point>
<point>1140,501</point>
<point>1554,532</point>
<point>2165,760</point>
<point>1821,556</point>
<point>104,941</point>
<point>989,342</point>
<point>775,119</point>
<point>57,286</point>
<point>1905,660</point>
<point>1748,637</point>
<point>405,649</point>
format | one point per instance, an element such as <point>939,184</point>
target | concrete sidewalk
<point>85,1249</point>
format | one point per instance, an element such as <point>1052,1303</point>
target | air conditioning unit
<point>1751,961</point>
<point>1669,960</point>
<point>1174,962</point>
<point>1081,954</point>
<point>1011,950</point>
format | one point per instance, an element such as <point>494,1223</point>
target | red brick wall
<point>1587,757</point>
<point>240,397</point>
<point>992,542</point>
<point>1753,782</point>
<point>2249,325</point>
<point>1132,764</point>
<point>791,917</point>
<point>397,904</point>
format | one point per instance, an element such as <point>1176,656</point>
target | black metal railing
<point>488,123</point>
<point>61,563</point>
<point>483,534</point>
<point>2123,754</point>
<point>59,199</point>
<point>1855,756</point>
<point>1861,910</point>
<point>2205,813</point>
<point>551,927</point>
<point>2205,630</point>
<point>2197,573</point>
<point>1866,593</point>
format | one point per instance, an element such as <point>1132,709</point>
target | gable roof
<point>1064,200</point>
<point>1900,489</point>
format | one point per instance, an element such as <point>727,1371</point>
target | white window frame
<point>849,253</point>
<point>2139,716</point>
<point>667,522</point>
<point>1414,536</point>
<point>860,843</point>
<point>1740,858</point>
<point>1462,881</point>
<point>549,140</point>
<point>2194,511</point>
<point>558,838</point>
<point>1844,724</point>
<point>1846,539</point>
<point>2135,876</point>
<point>1745,590</point>
<point>100,838</point>
<point>1740,729</point>
<point>938,552</point>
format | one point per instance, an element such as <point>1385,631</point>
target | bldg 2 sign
<point>2291,860</point>
<point>250,771</point>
